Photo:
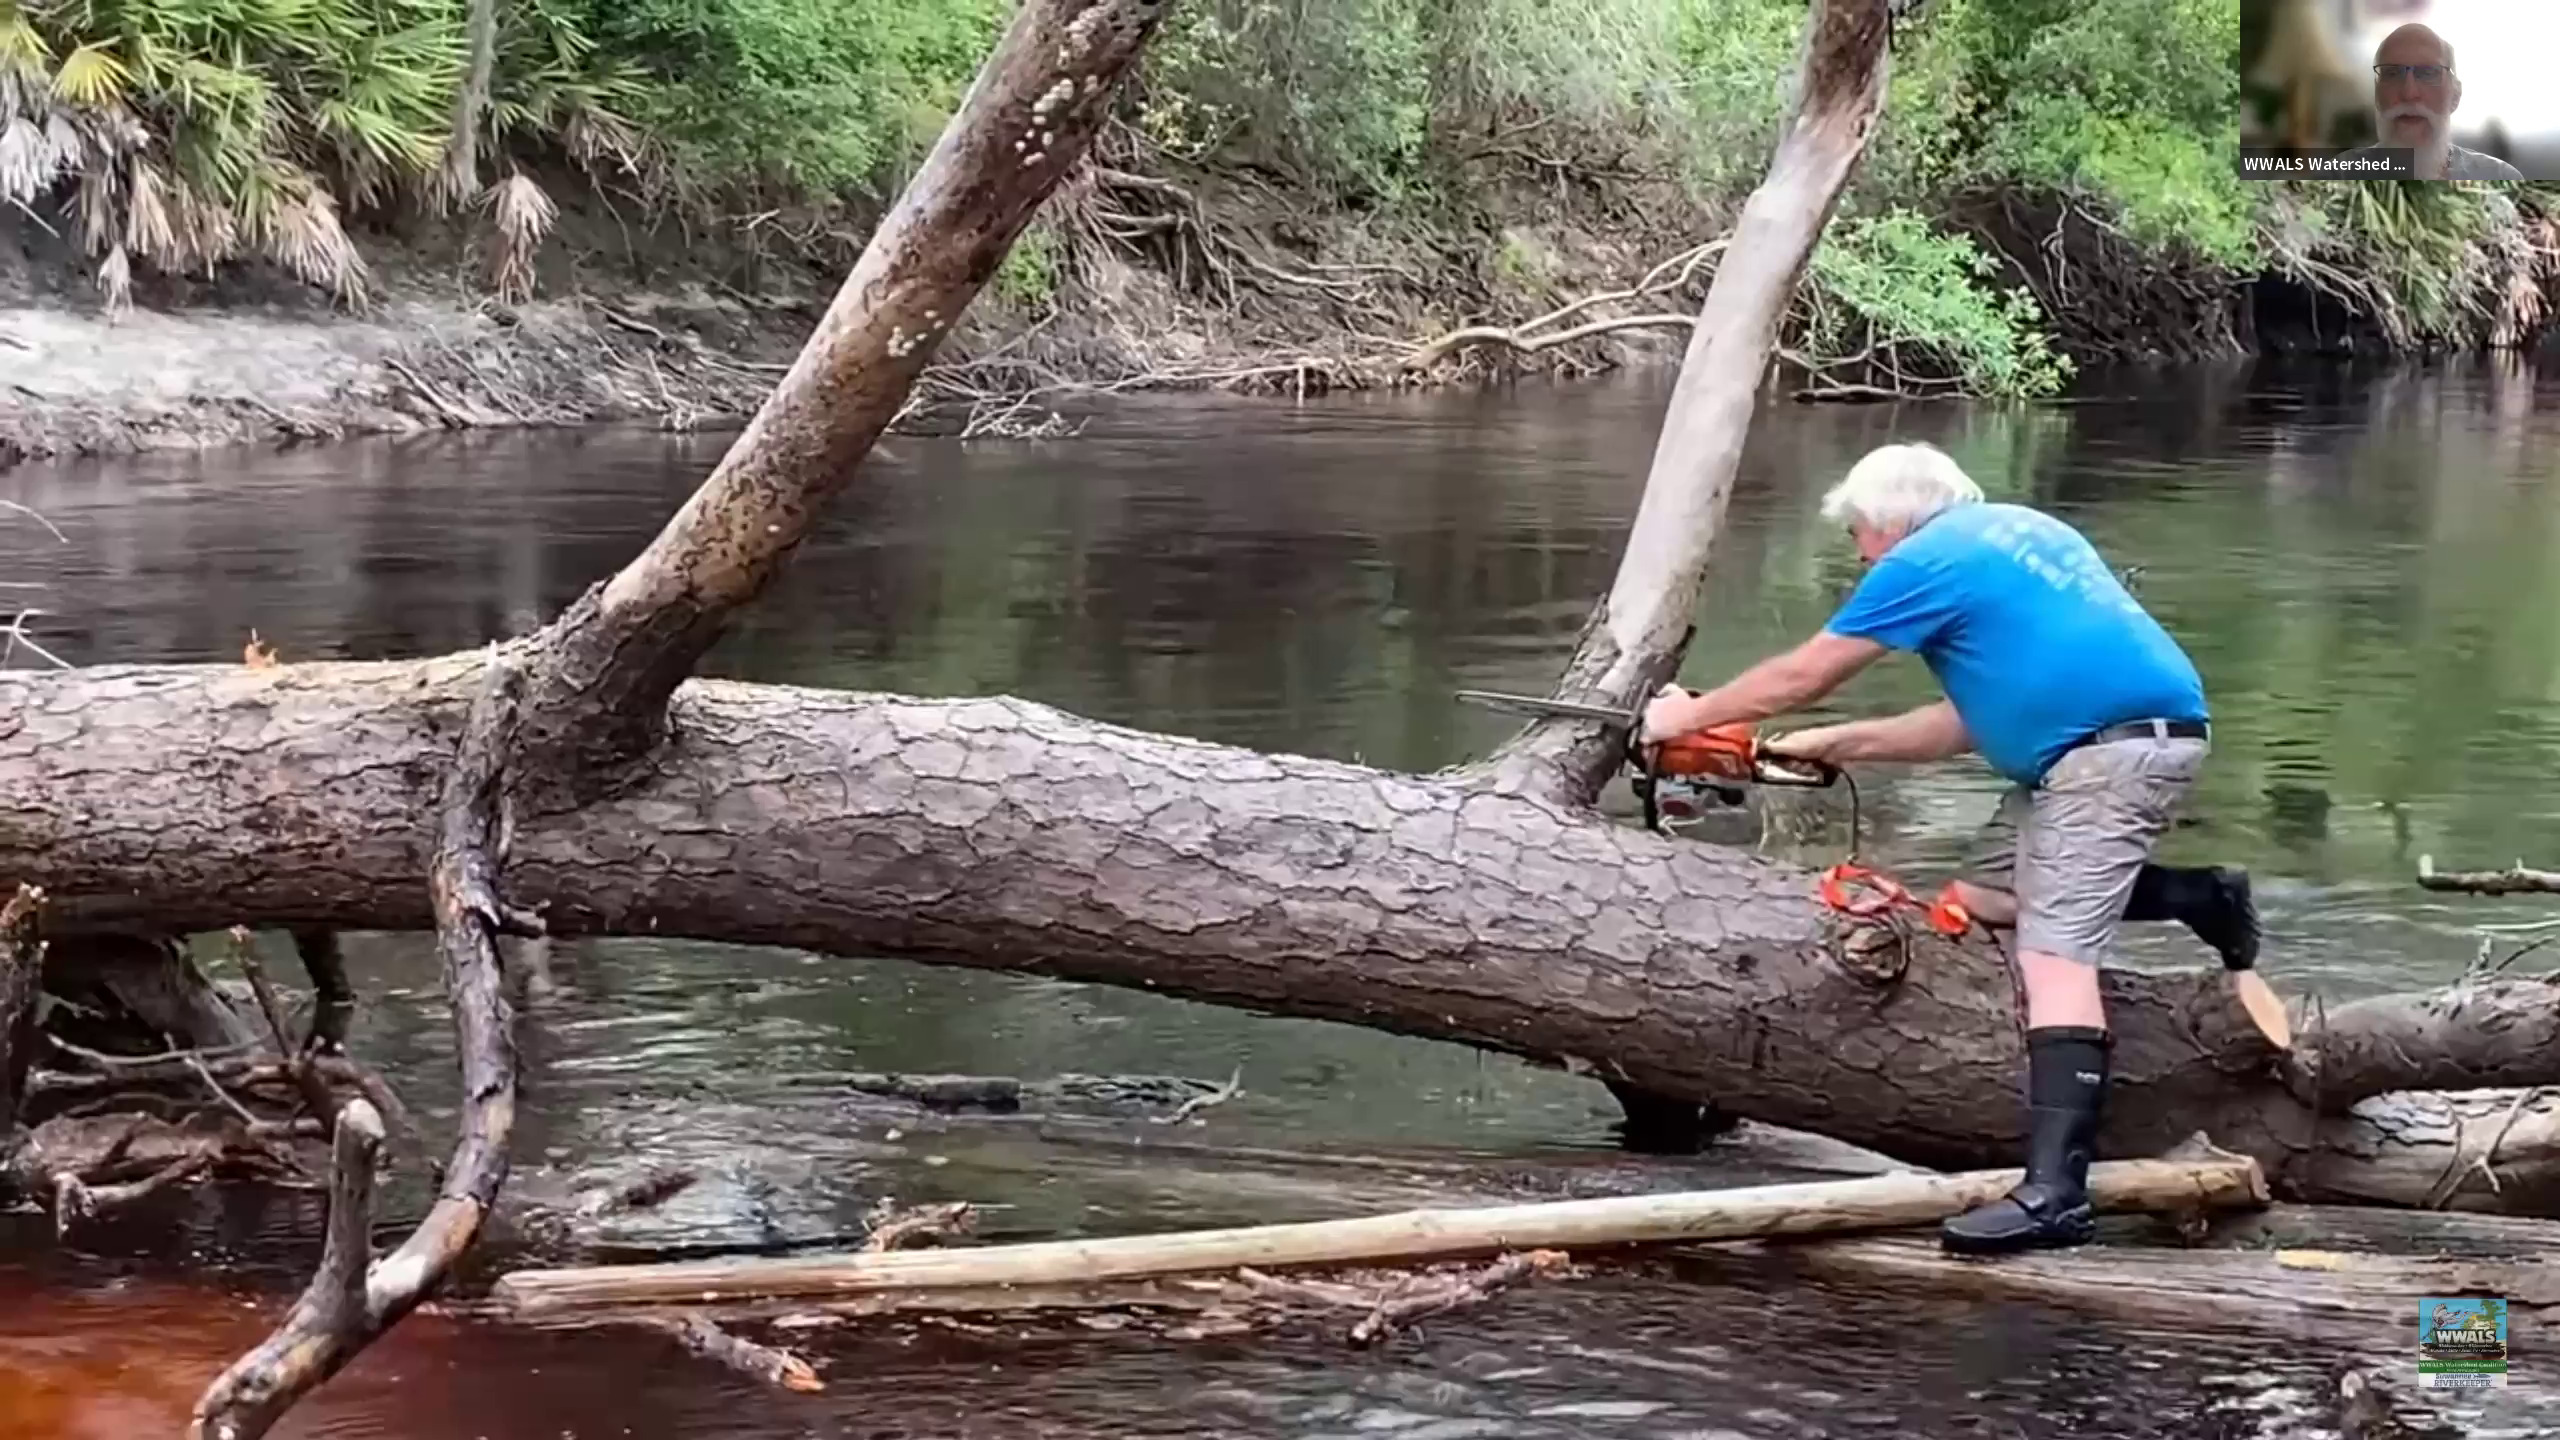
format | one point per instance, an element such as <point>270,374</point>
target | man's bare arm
<point>1773,687</point>
<point>1932,732</point>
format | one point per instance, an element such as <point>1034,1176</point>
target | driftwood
<point>776,1367</point>
<point>1419,1301</point>
<point>895,1227</point>
<point>2516,879</point>
<point>1883,1201</point>
<point>654,1186</point>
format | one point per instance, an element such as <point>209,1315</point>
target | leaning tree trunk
<point>1635,637</point>
<point>1004,834</point>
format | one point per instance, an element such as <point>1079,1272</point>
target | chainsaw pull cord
<point>1945,914</point>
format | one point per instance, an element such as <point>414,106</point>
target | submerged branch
<point>333,1319</point>
<point>760,1362</point>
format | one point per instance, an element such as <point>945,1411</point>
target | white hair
<point>1899,485</point>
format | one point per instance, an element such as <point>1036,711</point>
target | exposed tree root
<point>1671,277</point>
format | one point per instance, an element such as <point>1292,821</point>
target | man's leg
<point>2213,901</point>
<point>2088,833</point>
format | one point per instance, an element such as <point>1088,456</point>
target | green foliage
<point>812,97</point>
<point>1890,281</point>
<point>2129,102</point>
<point>2427,262</point>
<point>1028,278</point>
<point>192,131</point>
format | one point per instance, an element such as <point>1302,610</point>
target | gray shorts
<point>2087,827</point>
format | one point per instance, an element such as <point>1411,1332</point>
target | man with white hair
<point>2073,692</point>
<point>2415,92</point>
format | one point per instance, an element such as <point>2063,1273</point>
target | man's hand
<point>1667,715</point>
<point>1818,743</point>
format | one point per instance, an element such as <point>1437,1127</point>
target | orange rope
<point>1884,895</point>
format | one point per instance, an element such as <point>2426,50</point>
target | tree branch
<point>330,1323</point>
<point>315,1091</point>
<point>2468,1037</point>
<point>324,1333</point>
<point>615,657</point>
<point>1636,637</point>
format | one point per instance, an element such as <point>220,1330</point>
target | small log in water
<point>1882,1202</point>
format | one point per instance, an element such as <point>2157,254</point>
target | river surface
<point>2366,566</point>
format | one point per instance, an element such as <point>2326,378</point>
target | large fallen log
<point>1002,834</point>
<point>1822,1207</point>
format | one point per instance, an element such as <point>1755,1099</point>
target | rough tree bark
<point>1005,834</point>
<point>21,977</point>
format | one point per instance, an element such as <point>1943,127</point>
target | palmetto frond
<point>115,280</point>
<point>33,157</point>
<point>522,214</point>
<point>23,53</point>
<point>92,76</point>
<point>302,234</point>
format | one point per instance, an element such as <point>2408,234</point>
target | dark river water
<point>2366,566</point>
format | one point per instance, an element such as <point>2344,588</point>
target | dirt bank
<point>1128,282</point>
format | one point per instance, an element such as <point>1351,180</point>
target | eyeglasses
<point>2423,74</point>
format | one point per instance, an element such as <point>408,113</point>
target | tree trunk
<point>598,694</point>
<point>1634,641</point>
<point>1003,834</point>
<point>460,176</point>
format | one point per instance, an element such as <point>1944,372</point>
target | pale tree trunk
<point>460,177</point>
<point>1635,639</point>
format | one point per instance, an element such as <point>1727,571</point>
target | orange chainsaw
<point>1671,778</point>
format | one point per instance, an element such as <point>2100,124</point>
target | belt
<point>2147,730</point>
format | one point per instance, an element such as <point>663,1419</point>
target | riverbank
<point>1128,282</point>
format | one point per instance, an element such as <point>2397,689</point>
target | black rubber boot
<point>2213,901</point>
<point>2066,1088</point>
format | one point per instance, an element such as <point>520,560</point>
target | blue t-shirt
<point>2029,633</point>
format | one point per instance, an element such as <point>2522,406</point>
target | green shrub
<point>812,98</point>
<point>1891,280</point>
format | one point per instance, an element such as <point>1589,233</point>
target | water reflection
<point>2362,562</point>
